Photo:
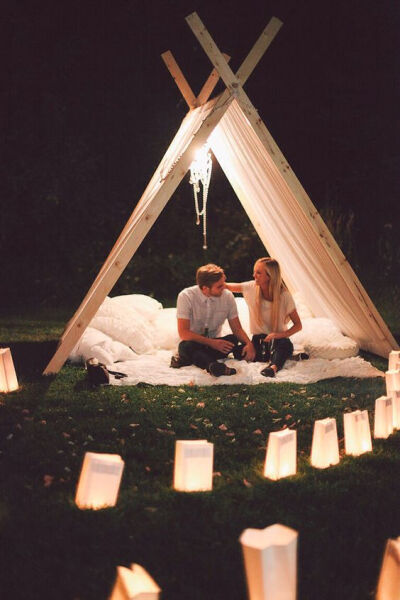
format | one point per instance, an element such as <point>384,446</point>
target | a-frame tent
<point>279,208</point>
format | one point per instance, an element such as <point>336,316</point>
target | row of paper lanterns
<point>270,555</point>
<point>193,466</point>
<point>270,562</point>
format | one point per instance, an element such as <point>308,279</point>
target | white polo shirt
<point>287,305</point>
<point>205,312</point>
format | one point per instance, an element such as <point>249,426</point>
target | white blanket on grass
<point>135,335</point>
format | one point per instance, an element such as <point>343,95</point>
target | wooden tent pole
<point>179,79</point>
<point>131,242</point>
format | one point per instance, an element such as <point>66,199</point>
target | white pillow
<point>321,338</point>
<point>301,306</point>
<point>137,334</point>
<point>166,336</point>
<point>243,314</point>
<point>146,306</point>
<point>96,344</point>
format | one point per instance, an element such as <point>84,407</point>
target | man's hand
<point>273,336</point>
<point>221,345</point>
<point>249,352</point>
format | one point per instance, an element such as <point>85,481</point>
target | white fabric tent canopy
<point>287,233</point>
<point>280,210</point>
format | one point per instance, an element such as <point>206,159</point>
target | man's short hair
<point>209,274</point>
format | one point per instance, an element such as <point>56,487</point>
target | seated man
<point>201,311</point>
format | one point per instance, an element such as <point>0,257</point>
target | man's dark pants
<point>193,353</point>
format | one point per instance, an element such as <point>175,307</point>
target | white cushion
<point>146,306</point>
<point>167,337</point>
<point>133,332</point>
<point>96,344</point>
<point>321,338</point>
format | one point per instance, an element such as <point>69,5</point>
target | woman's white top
<point>287,305</point>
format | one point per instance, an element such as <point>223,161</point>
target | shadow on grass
<point>31,358</point>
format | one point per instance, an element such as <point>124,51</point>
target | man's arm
<point>187,335</point>
<point>249,352</point>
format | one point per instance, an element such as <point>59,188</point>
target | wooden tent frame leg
<point>126,245</point>
<point>234,85</point>
<point>184,87</point>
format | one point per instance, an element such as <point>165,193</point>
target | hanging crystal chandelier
<point>200,172</point>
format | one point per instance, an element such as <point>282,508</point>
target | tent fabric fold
<point>288,234</point>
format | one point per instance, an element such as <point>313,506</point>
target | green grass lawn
<point>188,542</point>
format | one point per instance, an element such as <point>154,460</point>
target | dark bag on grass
<point>97,372</point>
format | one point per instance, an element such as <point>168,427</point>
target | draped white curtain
<point>287,233</point>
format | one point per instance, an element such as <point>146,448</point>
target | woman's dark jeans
<point>277,351</point>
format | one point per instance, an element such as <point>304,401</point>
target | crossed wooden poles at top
<point>220,61</point>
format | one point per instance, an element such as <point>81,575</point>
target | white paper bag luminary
<point>281,459</point>
<point>325,445</point>
<point>134,584</point>
<point>99,480</point>
<point>193,467</point>
<point>8,377</point>
<point>395,396</point>
<point>389,578</point>
<point>394,360</point>
<point>270,561</point>
<point>383,425</point>
<point>392,381</point>
<point>357,433</point>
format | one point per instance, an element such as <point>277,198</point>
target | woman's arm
<point>234,287</point>
<point>297,326</point>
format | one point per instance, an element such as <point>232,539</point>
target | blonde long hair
<point>275,289</point>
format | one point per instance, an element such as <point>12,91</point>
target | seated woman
<point>270,307</point>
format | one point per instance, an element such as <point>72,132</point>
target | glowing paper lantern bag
<point>8,377</point>
<point>392,379</point>
<point>270,560</point>
<point>99,480</point>
<point>193,467</point>
<point>383,425</point>
<point>134,584</point>
<point>389,578</point>
<point>357,433</point>
<point>325,444</point>
<point>281,459</point>
<point>394,360</point>
<point>395,396</point>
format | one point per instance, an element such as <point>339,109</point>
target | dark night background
<point>89,109</point>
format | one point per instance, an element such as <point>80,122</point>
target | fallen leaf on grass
<point>66,435</point>
<point>288,417</point>
<point>48,480</point>
<point>223,427</point>
<point>257,432</point>
<point>200,405</point>
<point>230,434</point>
<point>193,426</point>
<point>247,483</point>
<point>181,390</point>
<point>217,474</point>
<point>148,469</point>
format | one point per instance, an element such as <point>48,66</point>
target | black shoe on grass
<point>218,369</point>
